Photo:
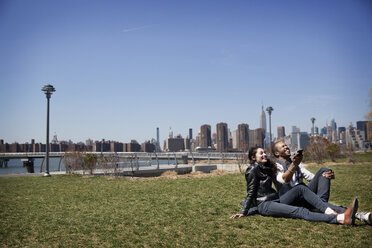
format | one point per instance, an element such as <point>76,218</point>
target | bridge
<point>132,158</point>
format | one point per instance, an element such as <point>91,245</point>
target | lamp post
<point>313,121</point>
<point>48,89</point>
<point>269,110</point>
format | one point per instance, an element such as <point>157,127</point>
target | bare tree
<point>316,149</point>
<point>333,150</point>
<point>242,159</point>
<point>348,151</point>
<point>73,161</point>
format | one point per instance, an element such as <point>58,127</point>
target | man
<point>292,172</point>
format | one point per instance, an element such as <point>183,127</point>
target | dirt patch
<point>333,164</point>
<point>174,175</point>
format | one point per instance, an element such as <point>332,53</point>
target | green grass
<point>360,157</point>
<point>363,157</point>
<point>73,211</point>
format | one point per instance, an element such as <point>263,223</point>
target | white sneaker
<point>364,217</point>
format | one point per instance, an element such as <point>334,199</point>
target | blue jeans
<point>284,206</point>
<point>322,187</point>
<point>276,209</point>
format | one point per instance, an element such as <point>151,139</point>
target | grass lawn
<point>76,211</point>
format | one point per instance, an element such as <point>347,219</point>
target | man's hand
<point>297,159</point>
<point>236,216</point>
<point>329,174</point>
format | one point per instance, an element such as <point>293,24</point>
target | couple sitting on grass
<point>293,199</point>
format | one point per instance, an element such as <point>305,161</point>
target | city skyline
<point>212,130</point>
<point>121,68</point>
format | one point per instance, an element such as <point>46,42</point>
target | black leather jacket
<point>259,186</point>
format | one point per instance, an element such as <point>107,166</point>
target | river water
<point>15,166</point>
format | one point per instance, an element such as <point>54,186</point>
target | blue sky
<point>123,68</point>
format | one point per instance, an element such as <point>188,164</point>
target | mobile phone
<point>300,151</point>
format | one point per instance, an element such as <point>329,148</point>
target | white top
<point>294,180</point>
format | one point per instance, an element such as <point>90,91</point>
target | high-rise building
<point>222,137</point>
<point>251,139</point>
<point>341,135</point>
<point>362,126</point>
<point>281,132</point>
<point>243,137</point>
<point>333,125</point>
<point>295,129</point>
<point>205,136</point>
<point>174,144</point>
<point>341,129</point>
<point>197,140</point>
<point>229,139</point>
<point>263,120</point>
<point>214,140</point>
<point>187,144</point>
<point>299,140</point>
<point>89,142</point>
<point>329,133</point>
<point>323,132</point>
<point>235,139</point>
<point>157,144</point>
<point>355,138</point>
<point>133,146</point>
<point>190,133</point>
<point>116,147</point>
<point>170,135</point>
<point>148,147</point>
<point>259,137</point>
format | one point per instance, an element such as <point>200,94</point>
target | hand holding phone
<point>297,157</point>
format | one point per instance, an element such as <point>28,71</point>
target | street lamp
<point>48,89</point>
<point>313,121</point>
<point>269,110</point>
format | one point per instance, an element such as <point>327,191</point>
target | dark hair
<point>252,153</point>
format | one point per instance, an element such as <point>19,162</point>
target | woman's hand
<point>236,216</point>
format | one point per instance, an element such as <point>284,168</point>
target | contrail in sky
<point>134,29</point>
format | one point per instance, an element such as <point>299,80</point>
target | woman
<point>261,174</point>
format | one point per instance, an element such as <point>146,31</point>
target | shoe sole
<point>369,220</point>
<point>353,211</point>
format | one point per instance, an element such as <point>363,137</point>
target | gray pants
<point>284,206</point>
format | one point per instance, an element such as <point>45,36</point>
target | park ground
<point>168,211</point>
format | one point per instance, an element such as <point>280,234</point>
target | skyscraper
<point>362,126</point>
<point>333,125</point>
<point>263,120</point>
<point>157,145</point>
<point>235,139</point>
<point>205,136</point>
<point>243,137</point>
<point>259,137</point>
<point>281,132</point>
<point>222,137</point>
<point>190,133</point>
